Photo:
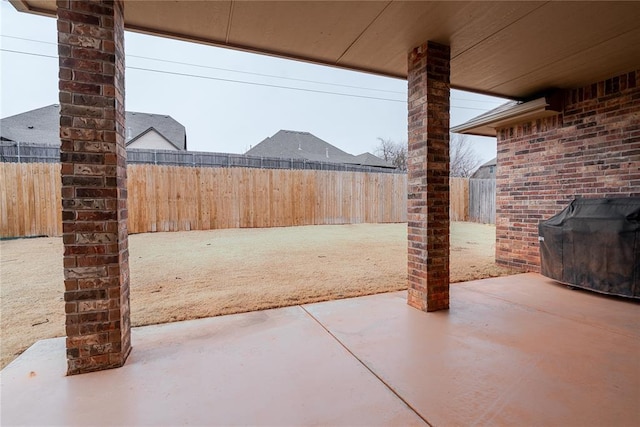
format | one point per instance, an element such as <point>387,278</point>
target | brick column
<point>94,184</point>
<point>428,177</point>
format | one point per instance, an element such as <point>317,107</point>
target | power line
<point>242,81</point>
<point>265,75</point>
<point>484,101</point>
<point>29,53</point>
<point>228,69</point>
<point>151,70</point>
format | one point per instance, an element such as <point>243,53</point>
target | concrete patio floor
<point>519,350</point>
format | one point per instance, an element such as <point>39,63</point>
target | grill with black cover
<point>594,244</point>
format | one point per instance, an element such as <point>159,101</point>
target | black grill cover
<point>594,244</point>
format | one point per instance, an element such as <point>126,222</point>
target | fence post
<point>18,145</point>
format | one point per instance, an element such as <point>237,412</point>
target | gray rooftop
<point>486,170</point>
<point>42,126</point>
<point>372,160</point>
<point>290,144</point>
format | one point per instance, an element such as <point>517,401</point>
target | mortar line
<point>415,411</point>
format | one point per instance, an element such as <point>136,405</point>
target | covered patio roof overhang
<point>512,49</point>
<point>508,49</point>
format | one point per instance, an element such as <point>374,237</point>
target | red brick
<point>94,184</point>
<point>582,152</point>
<point>75,87</point>
<point>428,177</point>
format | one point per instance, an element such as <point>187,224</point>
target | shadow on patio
<point>518,350</point>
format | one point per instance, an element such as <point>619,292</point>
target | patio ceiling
<point>511,49</point>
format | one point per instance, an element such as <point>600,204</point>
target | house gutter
<point>487,124</point>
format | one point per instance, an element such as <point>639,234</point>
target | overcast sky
<point>227,110</point>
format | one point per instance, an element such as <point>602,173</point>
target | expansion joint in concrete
<point>348,350</point>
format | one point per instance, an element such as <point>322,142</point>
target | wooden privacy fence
<point>482,200</point>
<point>30,199</point>
<point>174,198</point>
<point>459,199</point>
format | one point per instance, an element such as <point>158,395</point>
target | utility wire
<point>151,70</point>
<point>224,80</point>
<point>227,69</point>
<point>257,74</point>
<point>265,75</point>
<point>242,81</point>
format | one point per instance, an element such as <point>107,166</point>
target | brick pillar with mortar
<point>428,177</point>
<point>94,184</point>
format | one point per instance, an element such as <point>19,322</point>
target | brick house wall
<point>591,149</point>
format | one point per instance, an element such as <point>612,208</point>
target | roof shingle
<point>42,126</point>
<point>289,144</point>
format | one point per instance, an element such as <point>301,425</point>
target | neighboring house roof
<point>372,160</point>
<point>42,126</point>
<point>140,123</point>
<point>151,131</point>
<point>486,170</point>
<point>289,144</point>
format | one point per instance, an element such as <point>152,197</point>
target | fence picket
<point>164,198</point>
<point>482,200</point>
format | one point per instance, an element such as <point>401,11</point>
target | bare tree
<point>385,149</point>
<point>463,158</point>
<point>393,152</point>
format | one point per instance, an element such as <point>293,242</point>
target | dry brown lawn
<point>188,275</point>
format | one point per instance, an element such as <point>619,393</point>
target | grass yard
<point>188,275</point>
